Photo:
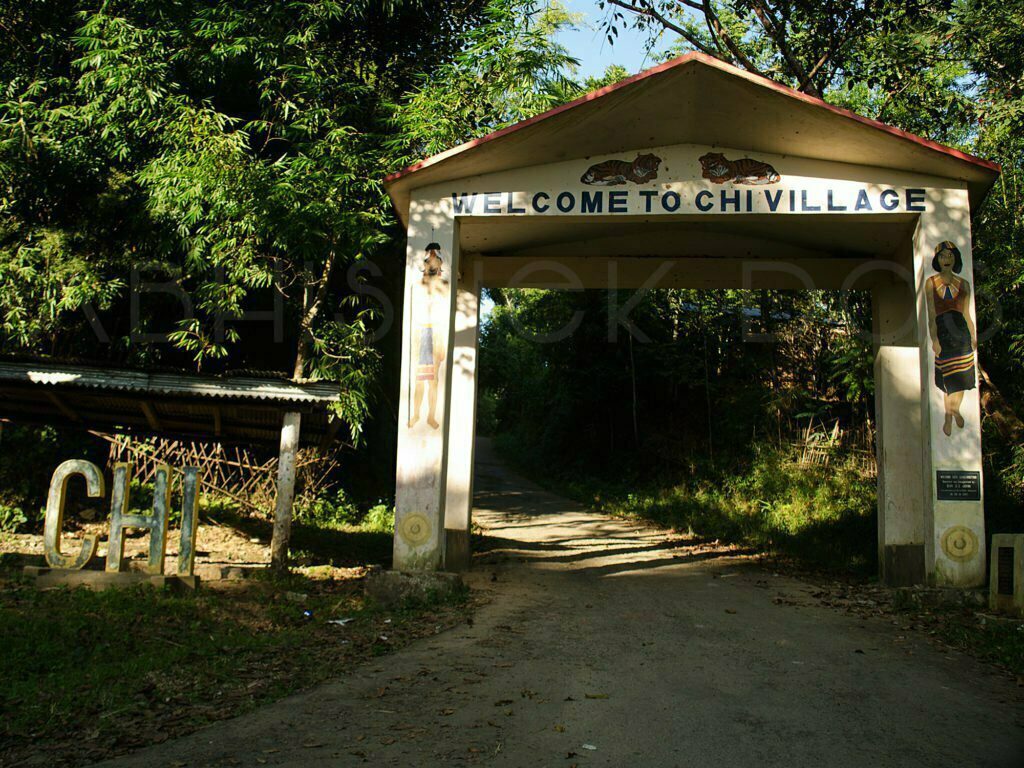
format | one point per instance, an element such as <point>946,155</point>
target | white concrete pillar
<point>954,519</point>
<point>898,430</point>
<point>462,419</point>
<point>427,351</point>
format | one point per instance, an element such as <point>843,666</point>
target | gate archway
<point>695,174</point>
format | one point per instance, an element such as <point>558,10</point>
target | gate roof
<point>696,99</point>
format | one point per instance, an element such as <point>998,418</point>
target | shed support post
<point>458,508</point>
<point>290,430</point>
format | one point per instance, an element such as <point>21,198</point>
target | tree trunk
<point>707,389</point>
<point>311,305</point>
<point>996,408</point>
<point>632,373</point>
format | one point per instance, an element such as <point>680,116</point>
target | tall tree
<point>232,151</point>
<point>805,43</point>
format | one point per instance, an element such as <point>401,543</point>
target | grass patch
<point>999,640</point>
<point>87,675</point>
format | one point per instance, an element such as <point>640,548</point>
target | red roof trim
<point>717,64</point>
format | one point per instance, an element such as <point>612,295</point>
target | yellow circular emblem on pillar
<point>959,543</point>
<point>415,529</point>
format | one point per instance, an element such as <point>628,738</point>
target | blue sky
<point>588,43</point>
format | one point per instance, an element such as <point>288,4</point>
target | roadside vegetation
<point>995,639</point>
<point>90,675</point>
<point>823,516</point>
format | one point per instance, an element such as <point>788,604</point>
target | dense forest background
<point>232,153</point>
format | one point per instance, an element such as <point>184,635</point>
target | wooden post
<point>285,489</point>
<point>189,521</point>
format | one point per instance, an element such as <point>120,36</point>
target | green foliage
<point>336,510</point>
<point>236,149</point>
<point>568,381</point>
<point>28,457</point>
<point>1012,473</point>
<point>233,148</point>
<point>510,69</point>
<point>1004,482</point>
<point>333,509</point>
<point>379,519</point>
<point>487,412</point>
<point>11,518</point>
<point>853,367</point>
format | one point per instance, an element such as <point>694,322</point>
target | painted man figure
<point>430,342</point>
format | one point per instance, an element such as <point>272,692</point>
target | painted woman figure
<point>954,338</point>
<point>430,344</point>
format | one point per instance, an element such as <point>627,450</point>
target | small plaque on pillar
<point>957,485</point>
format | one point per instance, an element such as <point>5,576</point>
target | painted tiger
<point>720,169</point>
<point>615,172</point>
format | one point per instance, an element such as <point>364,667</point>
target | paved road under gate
<point>607,644</point>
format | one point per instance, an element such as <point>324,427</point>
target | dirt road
<point>605,644</point>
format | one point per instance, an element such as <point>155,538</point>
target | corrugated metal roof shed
<point>223,408</point>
